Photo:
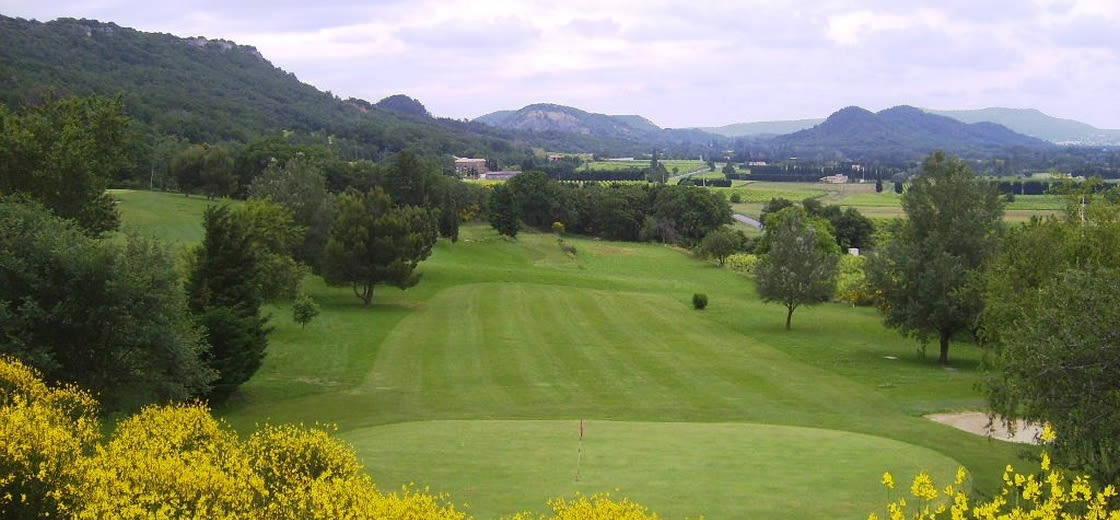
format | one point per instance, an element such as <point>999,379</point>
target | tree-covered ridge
<point>208,91</point>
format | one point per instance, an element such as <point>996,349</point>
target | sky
<point>678,63</point>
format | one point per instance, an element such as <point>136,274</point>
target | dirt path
<point>977,422</point>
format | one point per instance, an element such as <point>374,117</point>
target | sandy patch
<point>977,422</point>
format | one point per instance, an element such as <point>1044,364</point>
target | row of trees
<point>632,212</point>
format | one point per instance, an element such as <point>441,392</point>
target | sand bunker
<point>977,422</point>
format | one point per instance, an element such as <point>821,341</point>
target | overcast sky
<point>679,63</point>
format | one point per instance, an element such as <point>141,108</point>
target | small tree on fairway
<point>304,309</point>
<point>878,185</point>
<point>374,242</point>
<point>799,267</point>
<point>898,187</point>
<point>927,271</point>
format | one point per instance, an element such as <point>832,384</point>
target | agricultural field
<point>682,166</point>
<point>863,197</point>
<point>515,372</point>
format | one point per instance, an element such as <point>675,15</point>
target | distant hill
<point>763,128</point>
<point>900,132</point>
<point>403,104</point>
<point>204,90</point>
<point>1028,121</point>
<point>551,118</point>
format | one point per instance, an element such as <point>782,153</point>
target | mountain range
<point>200,90</point>
<point>1026,121</point>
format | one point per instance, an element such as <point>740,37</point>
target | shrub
<point>742,263</point>
<point>179,462</point>
<point>851,282</point>
<point>736,198</point>
<point>699,301</point>
<point>1049,494</point>
<point>304,309</point>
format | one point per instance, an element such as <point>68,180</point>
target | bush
<point>1048,494</point>
<point>851,282</point>
<point>742,263</point>
<point>179,462</point>
<point>736,198</point>
<point>699,301</point>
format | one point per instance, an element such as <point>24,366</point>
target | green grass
<point>174,218</point>
<point>472,380</point>
<point>722,470</point>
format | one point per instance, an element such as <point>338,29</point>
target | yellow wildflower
<point>1048,434</point>
<point>888,480</point>
<point>923,487</point>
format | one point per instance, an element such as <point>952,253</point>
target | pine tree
<point>225,297</point>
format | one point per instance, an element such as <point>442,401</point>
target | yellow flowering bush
<point>44,432</point>
<point>595,507</point>
<point>1050,494</point>
<point>173,462</point>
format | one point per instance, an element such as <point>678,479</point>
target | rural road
<point>750,221</point>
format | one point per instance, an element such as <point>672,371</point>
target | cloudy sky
<point>679,63</point>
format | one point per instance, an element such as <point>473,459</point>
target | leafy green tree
<point>108,316</point>
<point>304,309</point>
<point>64,153</point>
<point>1054,340</point>
<point>374,242</point>
<point>774,205</point>
<point>928,271</point>
<point>693,211</point>
<point>224,295</point>
<point>535,198</point>
<point>719,244</point>
<point>504,211</point>
<point>300,186</point>
<point>1059,365</point>
<point>898,187</point>
<point>799,267</point>
<point>878,185</point>
<point>272,230</point>
<point>205,167</point>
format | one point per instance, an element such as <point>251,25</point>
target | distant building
<point>839,178</point>
<point>497,176</point>
<point>553,157</point>
<point>469,166</point>
<point>756,163</point>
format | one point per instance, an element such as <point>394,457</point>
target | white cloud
<point>704,62</point>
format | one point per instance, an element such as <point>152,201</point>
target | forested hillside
<point>208,91</point>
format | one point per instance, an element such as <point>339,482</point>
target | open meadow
<point>515,372</point>
<point>862,196</point>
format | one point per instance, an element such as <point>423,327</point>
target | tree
<point>224,295</point>
<point>878,185</point>
<point>898,187</point>
<point>274,235</point>
<point>1054,340</point>
<point>928,271</point>
<point>205,167</point>
<point>505,213</point>
<point>1059,366</point>
<point>719,244</point>
<point>63,154</point>
<point>300,186</point>
<point>799,267</point>
<point>374,242</point>
<point>304,309</point>
<point>106,315</point>
<point>535,198</point>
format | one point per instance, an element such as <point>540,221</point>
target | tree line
<point>133,323</point>
<point>1041,298</point>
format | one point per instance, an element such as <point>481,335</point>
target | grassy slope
<point>519,330</point>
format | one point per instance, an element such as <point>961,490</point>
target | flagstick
<point>579,452</point>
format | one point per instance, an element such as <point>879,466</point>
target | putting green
<point>679,470</point>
